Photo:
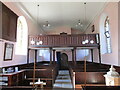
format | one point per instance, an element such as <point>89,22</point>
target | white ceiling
<point>63,13</point>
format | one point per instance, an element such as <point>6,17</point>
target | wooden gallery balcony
<point>79,40</point>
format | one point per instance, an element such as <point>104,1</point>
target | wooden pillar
<point>92,55</point>
<point>28,56</point>
<point>35,56</point>
<point>34,69</point>
<point>53,56</point>
<point>99,54</point>
<point>50,55</point>
<point>74,55</point>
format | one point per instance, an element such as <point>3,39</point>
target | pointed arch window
<point>107,35</point>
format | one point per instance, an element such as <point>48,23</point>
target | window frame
<point>107,35</point>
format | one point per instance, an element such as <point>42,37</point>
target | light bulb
<point>40,42</point>
<point>37,43</point>
<point>91,41</point>
<point>32,42</point>
<point>83,42</point>
<point>43,25</point>
<point>48,25</point>
<point>86,41</point>
<point>79,23</point>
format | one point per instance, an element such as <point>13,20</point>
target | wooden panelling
<point>39,73</point>
<point>91,77</point>
<point>9,23</point>
<point>63,40</point>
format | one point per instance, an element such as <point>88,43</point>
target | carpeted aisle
<point>63,80</point>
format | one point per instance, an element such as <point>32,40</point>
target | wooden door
<point>64,61</point>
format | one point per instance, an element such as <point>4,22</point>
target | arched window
<point>107,35</point>
<point>22,36</point>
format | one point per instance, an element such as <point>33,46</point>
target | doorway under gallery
<point>62,60</point>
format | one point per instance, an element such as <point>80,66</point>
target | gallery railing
<point>78,40</point>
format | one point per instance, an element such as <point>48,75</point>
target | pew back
<point>89,77</point>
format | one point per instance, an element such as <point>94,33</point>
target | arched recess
<point>104,33</point>
<point>64,61</point>
<point>22,36</point>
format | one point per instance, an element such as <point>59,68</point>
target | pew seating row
<point>46,73</point>
<point>92,77</point>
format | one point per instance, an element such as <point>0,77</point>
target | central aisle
<point>63,80</point>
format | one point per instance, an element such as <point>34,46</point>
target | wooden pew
<point>90,78</point>
<point>101,88</point>
<point>94,76</point>
<point>46,75</point>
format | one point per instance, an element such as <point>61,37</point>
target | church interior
<point>56,45</point>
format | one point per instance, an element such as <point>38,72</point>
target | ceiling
<point>63,13</point>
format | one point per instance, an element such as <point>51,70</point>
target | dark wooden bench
<point>89,77</point>
<point>101,88</point>
<point>17,88</point>
<point>94,76</point>
<point>47,75</point>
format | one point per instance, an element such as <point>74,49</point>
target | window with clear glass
<point>107,35</point>
<point>22,36</point>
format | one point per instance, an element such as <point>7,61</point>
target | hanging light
<point>39,43</point>
<point>47,24</point>
<point>86,41</point>
<point>32,42</point>
<point>85,53</point>
<point>37,13</point>
<point>79,24</point>
<point>91,41</point>
<point>83,42</point>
